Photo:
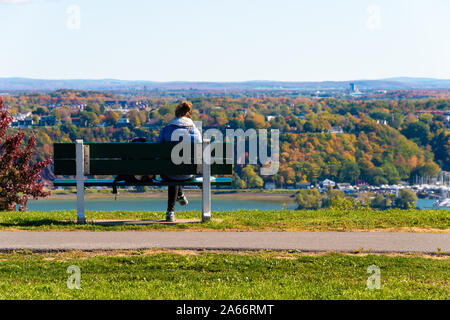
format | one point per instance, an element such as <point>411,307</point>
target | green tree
<point>417,131</point>
<point>349,172</point>
<point>308,199</point>
<point>441,148</point>
<point>427,170</point>
<point>407,199</point>
<point>134,118</point>
<point>237,182</point>
<point>379,202</point>
<point>90,118</point>
<point>255,181</point>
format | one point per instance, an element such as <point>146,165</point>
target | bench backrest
<point>131,159</point>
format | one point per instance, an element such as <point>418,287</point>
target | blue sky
<point>224,40</point>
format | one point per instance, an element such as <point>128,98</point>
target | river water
<point>160,204</point>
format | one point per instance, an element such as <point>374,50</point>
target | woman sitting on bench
<point>182,121</point>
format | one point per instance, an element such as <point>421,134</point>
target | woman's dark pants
<point>174,193</point>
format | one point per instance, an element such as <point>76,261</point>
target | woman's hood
<point>182,122</point>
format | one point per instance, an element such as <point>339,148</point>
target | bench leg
<point>206,185</point>
<point>79,152</point>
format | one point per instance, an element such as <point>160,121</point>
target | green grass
<point>206,275</point>
<point>242,220</point>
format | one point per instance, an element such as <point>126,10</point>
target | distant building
<point>109,103</point>
<point>27,122</point>
<point>22,120</point>
<point>47,120</point>
<point>337,129</point>
<point>123,122</point>
<point>447,121</point>
<point>77,106</point>
<point>270,118</point>
<point>354,90</point>
<point>327,183</point>
<point>117,109</point>
<point>343,186</point>
<point>302,185</point>
<point>269,186</point>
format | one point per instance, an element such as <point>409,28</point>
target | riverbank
<point>287,195</point>
<point>394,220</point>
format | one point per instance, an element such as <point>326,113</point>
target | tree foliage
<point>308,199</point>
<point>406,200</point>
<point>18,178</point>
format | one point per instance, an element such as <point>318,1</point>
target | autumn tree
<point>18,177</point>
<point>112,118</point>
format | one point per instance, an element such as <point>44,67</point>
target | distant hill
<point>27,84</point>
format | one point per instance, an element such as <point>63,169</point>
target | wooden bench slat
<point>123,150</point>
<point>222,181</point>
<point>136,167</point>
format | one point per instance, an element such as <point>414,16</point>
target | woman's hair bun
<point>184,109</point>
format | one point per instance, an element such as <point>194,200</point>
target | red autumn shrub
<point>18,177</point>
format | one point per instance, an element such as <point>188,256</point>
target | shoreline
<point>219,194</point>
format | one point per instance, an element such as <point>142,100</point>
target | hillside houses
<point>337,130</point>
<point>47,120</point>
<point>48,114</point>
<point>123,106</point>
<point>22,120</point>
<point>71,106</point>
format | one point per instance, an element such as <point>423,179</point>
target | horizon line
<point>397,78</point>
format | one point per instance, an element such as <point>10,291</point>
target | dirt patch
<point>195,225</point>
<point>284,255</point>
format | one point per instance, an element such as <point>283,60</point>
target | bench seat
<point>215,181</point>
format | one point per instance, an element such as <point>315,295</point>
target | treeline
<point>377,142</point>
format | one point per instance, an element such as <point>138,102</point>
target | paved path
<point>304,241</point>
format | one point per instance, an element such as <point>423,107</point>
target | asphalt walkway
<point>377,242</point>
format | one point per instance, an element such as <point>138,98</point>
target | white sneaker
<point>170,216</point>
<point>183,200</point>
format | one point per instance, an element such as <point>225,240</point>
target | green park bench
<point>114,159</point>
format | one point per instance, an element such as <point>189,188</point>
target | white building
<point>327,183</point>
<point>123,121</point>
<point>336,130</point>
<point>269,186</point>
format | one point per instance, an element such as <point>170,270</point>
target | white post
<point>79,159</point>
<point>206,185</point>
